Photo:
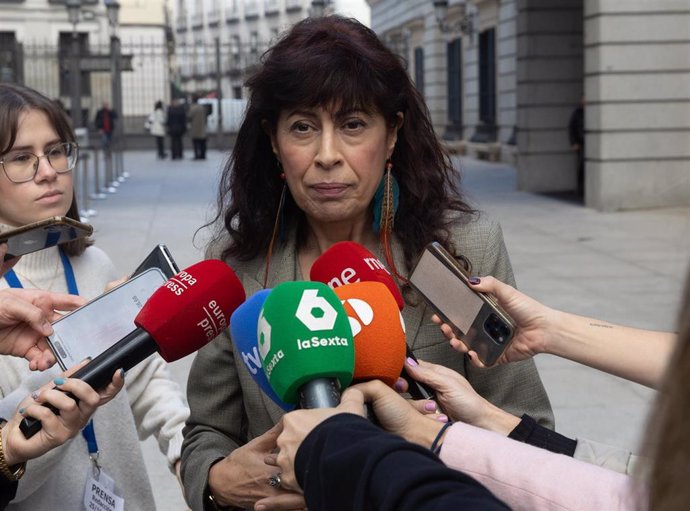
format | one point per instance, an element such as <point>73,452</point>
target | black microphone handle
<point>416,389</point>
<point>124,354</point>
<point>320,393</point>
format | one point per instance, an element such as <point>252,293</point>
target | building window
<point>10,58</point>
<point>237,92</point>
<point>454,53</point>
<point>419,69</point>
<point>487,83</point>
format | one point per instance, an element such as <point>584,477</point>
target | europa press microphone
<point>347,262</point>
<point>243,323</point>
<point>184,314</point>
<point>305,343</point>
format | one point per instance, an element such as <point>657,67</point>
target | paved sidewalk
<point>624,267</point>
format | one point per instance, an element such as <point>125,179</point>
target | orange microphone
<point>378,330</point>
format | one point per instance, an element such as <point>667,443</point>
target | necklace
<point>52,280</point>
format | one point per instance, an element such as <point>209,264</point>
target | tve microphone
<point>184,314</point>
<point>305,343</point>
<point>378,329</point>
<point>347,262</point>
<point>243,323</point>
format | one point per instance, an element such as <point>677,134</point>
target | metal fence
<point>46,68</point>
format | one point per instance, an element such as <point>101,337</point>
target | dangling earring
<point>278,225</point>
<point>386,201</point>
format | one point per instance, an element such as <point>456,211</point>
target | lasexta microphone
<point>347,262</point>
<point>243,323</point>
<point>378,329</point>
<point>305,343</point>
<point>184,314</point>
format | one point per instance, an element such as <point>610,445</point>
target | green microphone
<point>305,343</point>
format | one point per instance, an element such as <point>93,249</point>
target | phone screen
<point>443,288</point>
<point>94,327</point>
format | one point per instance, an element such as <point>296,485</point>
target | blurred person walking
<point>576,133</point>
<point>105,124</point>
<point>155,125</point>
<point>197,127</point>
<point>177,127</point>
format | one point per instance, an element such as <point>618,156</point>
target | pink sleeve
<point>530,478</point>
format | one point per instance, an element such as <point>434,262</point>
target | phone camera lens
<point>496,329</point>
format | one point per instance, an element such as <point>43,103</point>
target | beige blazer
<point>228,409</point>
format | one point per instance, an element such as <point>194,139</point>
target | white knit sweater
<point>150,404</point>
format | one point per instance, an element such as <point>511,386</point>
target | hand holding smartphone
<point>475,317</point>
<point>43,234</point>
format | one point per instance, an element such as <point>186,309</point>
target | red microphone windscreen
<point>378,330</point>
<point>191,308</point>
<point>347,262</point>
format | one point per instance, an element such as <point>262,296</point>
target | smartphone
<point>43,234</point>
<point>92,328</point>
<point>475,317</point>
<point>161,258</point>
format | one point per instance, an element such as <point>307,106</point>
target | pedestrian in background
<point>177,127</point>
<point>155,125</point>
<point>105,124</point>
<point>197,127</point>
<point>576,132</point>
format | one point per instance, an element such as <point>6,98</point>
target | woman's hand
<point>458,399</point>
<point>534,320</point>
<point>6,265</point>
<point>242,478</point>
<point>298,424</point>
<point>25,316</point>
<point>56,429</point>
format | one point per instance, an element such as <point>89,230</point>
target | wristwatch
<point>15,472</point>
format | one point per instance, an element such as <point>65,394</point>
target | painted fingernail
<point>122,373</point>
<point>399,385</point>
<point>87,359</point>
<point>34,395</point>
<point>475,280</point>
<point>21,411</point>
<point>430,406</point>
<point>411,361</point>
<point>442,418</point>
<point>59,381</point>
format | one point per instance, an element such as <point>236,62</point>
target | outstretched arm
<point>637,355</point>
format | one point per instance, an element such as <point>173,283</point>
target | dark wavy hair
<point>335,62</point>
<point>17,99</point>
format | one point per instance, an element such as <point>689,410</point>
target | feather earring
<point>386,201</point>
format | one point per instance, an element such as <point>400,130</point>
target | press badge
<point>100,495</point>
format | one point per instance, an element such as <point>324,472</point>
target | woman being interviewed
<point>332,113</point>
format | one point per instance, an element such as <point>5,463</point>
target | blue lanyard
<point>13,281</point>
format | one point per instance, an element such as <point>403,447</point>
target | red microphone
<point>347,262</point>
<point>378,329</point>
<point>183,315</point>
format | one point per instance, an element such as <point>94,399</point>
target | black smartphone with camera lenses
<point>475,317</point>
<point>43,234</point>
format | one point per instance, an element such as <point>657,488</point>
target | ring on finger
<point>274,480</point>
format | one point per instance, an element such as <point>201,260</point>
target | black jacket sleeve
<point>348,464</point>
<point>8,489</point>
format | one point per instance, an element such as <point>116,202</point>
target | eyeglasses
<point>22,166</point>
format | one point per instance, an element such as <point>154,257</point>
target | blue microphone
<point>243,328</point>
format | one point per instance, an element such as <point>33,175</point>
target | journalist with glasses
<point>21,165</point>
<point>37,153</point>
